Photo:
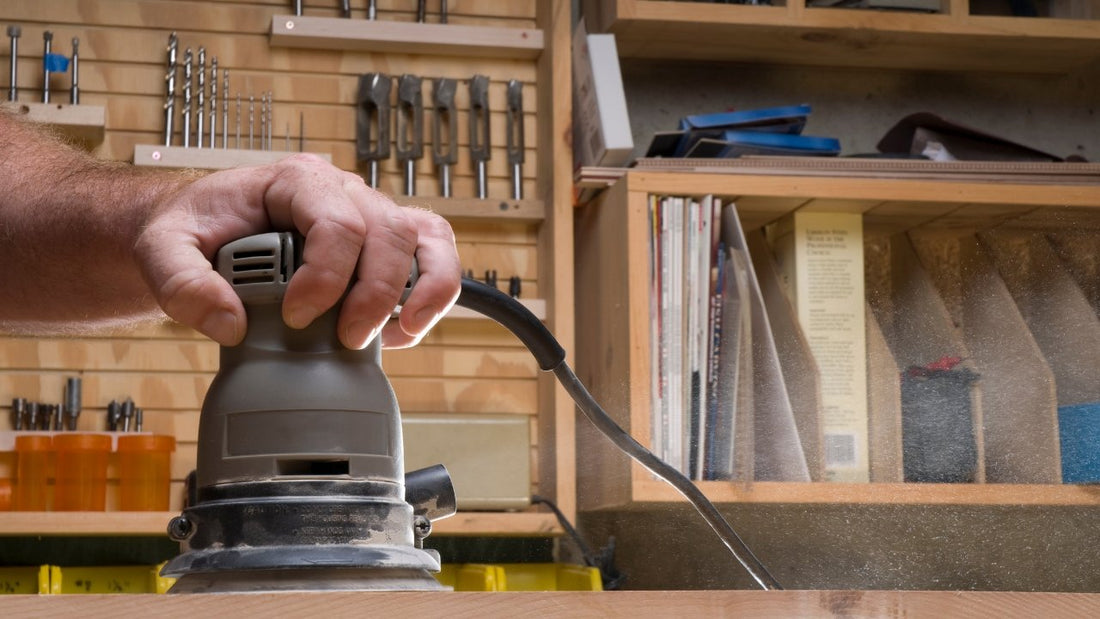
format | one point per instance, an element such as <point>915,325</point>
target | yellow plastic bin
<point>108,579</point>
<point>144,472</point>
<point>25,580</point>
<point>520,577</point>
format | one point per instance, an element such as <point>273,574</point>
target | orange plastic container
<point>81,482</point>
<point>144,472</point>
<point>32,473</point>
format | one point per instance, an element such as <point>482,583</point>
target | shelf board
<point>394,37</point>
<point>850,37</point>
<point>81,123</point>
<point>156,523</point>
<point>207,158</point>
<point>656,491</point>
<point>458,209</point>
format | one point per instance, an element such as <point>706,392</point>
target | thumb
<point>188,289</point>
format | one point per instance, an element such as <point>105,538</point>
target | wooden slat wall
<point>464,366</point>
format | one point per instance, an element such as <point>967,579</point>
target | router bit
<point>410,128</point>
<point>372,122</point>
<point>444,149</point>
<point>47,40</point>
<point>225,109</point>
<point>201,114</point>
<point>372,9</point>
<point>72,402</point>
<point>213,101</point>
<point>18,411</point>
<point>170,95</point>
<point>14,32</point>
<point>187,79</point>
<point>515,136</point>
<point>479,131</point>
<point>74,90</point>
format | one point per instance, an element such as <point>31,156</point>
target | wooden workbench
<point>571,604</point>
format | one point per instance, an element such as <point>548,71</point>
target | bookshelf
<point>612,237</point>
<point>795,33</point>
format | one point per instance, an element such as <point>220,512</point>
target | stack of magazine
<point>720,408</point>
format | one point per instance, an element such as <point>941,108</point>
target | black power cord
<point>610,576</point>
<point>511,314</point>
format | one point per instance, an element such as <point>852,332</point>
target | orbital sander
<point>299,482</point>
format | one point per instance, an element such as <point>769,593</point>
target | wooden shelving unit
<point>952,40</point>
<point>614,342</point>
<point>316,67</point>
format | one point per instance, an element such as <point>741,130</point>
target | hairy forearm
<point>68,223</point>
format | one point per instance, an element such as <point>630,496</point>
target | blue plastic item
<point>1079,428</point>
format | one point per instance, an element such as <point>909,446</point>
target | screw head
<point>180,528</point>
<point>289,25</point>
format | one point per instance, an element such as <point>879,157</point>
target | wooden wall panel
<point>463,366</point>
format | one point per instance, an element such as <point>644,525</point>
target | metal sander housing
<point>299,481</point>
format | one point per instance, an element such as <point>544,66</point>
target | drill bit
<point>238,123</point>
<point>213,101</point>
<point>170,95</point>
<point>301,132</point>
<point>442,11</point>
<point>372,9</point>
<point>372,122</point>
<point>444,150</point>
<point>421,11</point>
<point>263,121</point>
<point>479,131</point>
<point>287,149</point>
<point>201,114</point>
<point>270,118</point>
<point>47,41</point>
<point>345,6</point>
<point>298,8</point>
<point>251,121</point>
<point>225,109</point>
<point>14,32</point>
<point>515,136</point>
<point>410,128</point>
<point>74,90</point>
<point>187,79</point>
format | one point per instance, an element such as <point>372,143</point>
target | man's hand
<point>350,230</point>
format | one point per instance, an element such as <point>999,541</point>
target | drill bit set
<point>374,108</point>
<point>372,9</point>
<point>51,63</point>
<point>200,114</point>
